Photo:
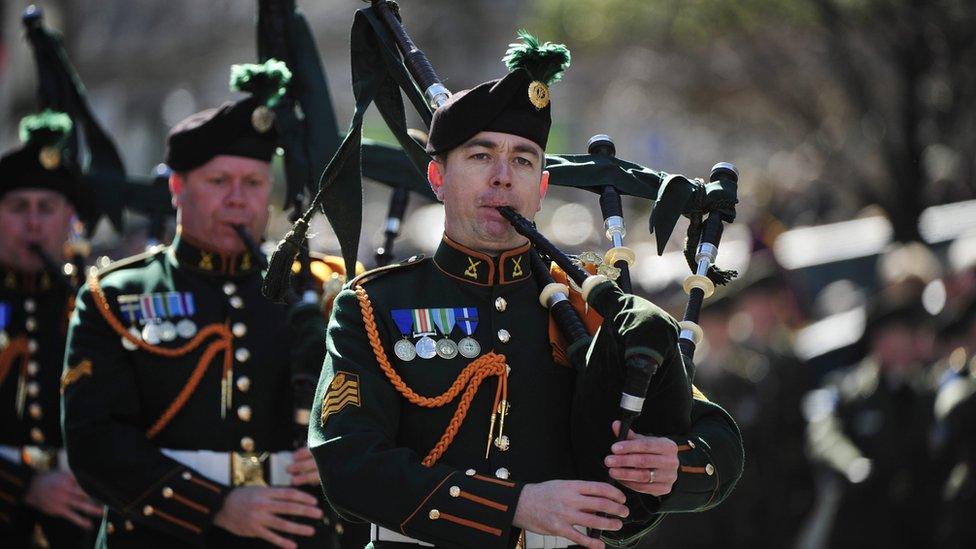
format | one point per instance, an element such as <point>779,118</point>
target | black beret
<point>32,166</point>
<point>245,128</point>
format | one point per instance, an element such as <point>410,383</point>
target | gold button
<point>187,475</point>
<point>709,469</point>
<point>148,510</point>
<point>691,444</point>
<point>244,412</point>
<point>32,346</point>
<point>129,526</point>
<point>36,435</point>
<point>502,473</point>
<point>243,384</point>
<point>33,367</point>
<point>470,472</point>
<point>239,329</point>
<point>242,354</point>
<point>502,443</point>
<point>236,301</point>
<point>434,514</point>
<point>30,305</point>
<point>30,324</point>
<point>339,529</point>
<point>33,389</point>
<point>455,491</point>
<point>34,410</point>
<point>247,444</point>
<point>109,528</point>
<point>504,336</point>
<point>167,492</point>
<point>229,288</point>
<point>501,304</point>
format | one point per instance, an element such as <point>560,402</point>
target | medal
<point>4,339</point>
<point>426,348</point>
<point>150,333</point>
<point>444,320</point>
<point>128,345</point>
<point>4,320</point>
<point>186,328</point>
<point>404,349</point>
<point>167,331</point>
<point>467,320</point>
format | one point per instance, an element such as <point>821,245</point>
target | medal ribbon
<point>467,319</point>
<point>403,318</point>
<point>421,321</point>
<point>444,319</point>
<point>4,315</point>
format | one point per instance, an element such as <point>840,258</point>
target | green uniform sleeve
<point>106,441</point>
<point>365,473</point>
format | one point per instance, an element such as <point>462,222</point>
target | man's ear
<point>435,176</point>
<point>175,188</point>
<point>543,185</point>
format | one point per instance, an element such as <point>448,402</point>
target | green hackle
<point>544,62</point>
<point>267,81</point>
<point>48,128</point>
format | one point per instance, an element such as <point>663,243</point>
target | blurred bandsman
<point>178,395</point>
<point>40,191</point>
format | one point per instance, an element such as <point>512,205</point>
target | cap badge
<point>538,94</point>
<point>50,158</point>
<point>262,119</point>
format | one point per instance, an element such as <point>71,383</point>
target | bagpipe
<point>633,368</point>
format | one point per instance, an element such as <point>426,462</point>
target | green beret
<point>42,162</point>
<point>245,128</point>
<point>517,104</point>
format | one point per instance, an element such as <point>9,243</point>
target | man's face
<point>226,191</point>
<point>491,169</point>
<point>33,217</point>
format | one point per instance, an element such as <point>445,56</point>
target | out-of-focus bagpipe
<point>635,371</point>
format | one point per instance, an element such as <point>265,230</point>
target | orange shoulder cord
<point>223,343</point>
<point>17,348</point>
<point>491,364</point>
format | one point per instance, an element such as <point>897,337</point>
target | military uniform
<point>390,451</point>
<point>34,313</point>
<point>177,387</point>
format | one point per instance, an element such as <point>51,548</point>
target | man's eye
<point>480,156</point>
<point>523,161</point>
<point>217,180</point>
<point>254,182</point>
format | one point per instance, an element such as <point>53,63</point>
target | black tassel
<point>277,281</point>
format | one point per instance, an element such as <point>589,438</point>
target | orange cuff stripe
<point>689,469</point>
<point>472,524</point>
<point>495,480</point>
<point>191,504</point>
<point>683,447</point>
<point>205,484</point>
<point>432,492</point>
<point>179,522</point>
<point>486,502</point>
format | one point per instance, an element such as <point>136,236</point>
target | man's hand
<point>552,508</point>
<point>57,493</point>
<point>254,512</point>
<point>303,470</point>
<point>644,464</point>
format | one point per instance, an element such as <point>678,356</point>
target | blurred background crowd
<point>844,348</point>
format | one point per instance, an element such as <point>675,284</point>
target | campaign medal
<point>186,328</point>
<point>150,333</point>
<point>467,320</point>
<point>404,349</point>
<point>4,320</point>
<point>128,345</point>
<point>426,348</point>
<point>167,331</point>
<point>444,320</point>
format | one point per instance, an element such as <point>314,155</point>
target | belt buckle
<point>39,459</point>
<point>247,468</point>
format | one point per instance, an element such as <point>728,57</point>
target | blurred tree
<point>879,96</point>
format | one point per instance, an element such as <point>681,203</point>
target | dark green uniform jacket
<point>115,413</point>
<point>369,439</point>
<point>33,321</point>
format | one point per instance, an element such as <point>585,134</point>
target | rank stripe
<point>341,394</point>
<point>339,405</point>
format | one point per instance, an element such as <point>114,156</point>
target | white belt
<point>532,540</point>
<point>217,465</point>
<point>15,454</point>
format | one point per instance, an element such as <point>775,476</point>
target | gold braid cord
<point>491,364</point>
<point>222,343</point>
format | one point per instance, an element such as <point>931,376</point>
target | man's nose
<point>235,194</point>
<point>502,176</point>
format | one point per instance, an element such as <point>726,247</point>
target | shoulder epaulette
<point>132,261</point>
<point>370,275</point>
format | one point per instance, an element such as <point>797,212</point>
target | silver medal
<point>469,347</point>
<point>150,333</point>
<point>447,348</point>
<point>167,331</point>
<point>4,339</point>
<point>426,348</point>
<point>128,345</point>
<point>186,328</point>
<point>405,350</point>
